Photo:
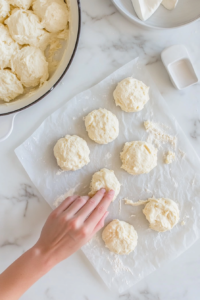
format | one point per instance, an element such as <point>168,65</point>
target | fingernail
<point>103,190</point>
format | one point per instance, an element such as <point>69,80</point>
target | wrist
<point>43,257</point>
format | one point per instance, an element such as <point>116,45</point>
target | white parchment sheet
<point>179,181</point>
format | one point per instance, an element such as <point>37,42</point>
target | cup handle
<point>6,126</point>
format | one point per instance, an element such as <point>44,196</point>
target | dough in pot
<point>31,66</point>
<point>53,14</point>
<point>162,214</point>
<point>104,179</point>
<point>71,153</point>
<point>120,237</point>
<point>8,47</point>
<point>4,10</point>
<point>138,157</point>
<point>25,28</point>
<point>24,4</point>
<point>102,126</point>
<point>10,86</point>
<point>131,95</point>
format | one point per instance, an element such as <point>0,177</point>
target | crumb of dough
<point>138,203</point>
<point>182,223</point>
<point>170,157</point>
<point>158,134</point>
<point>182,154</point>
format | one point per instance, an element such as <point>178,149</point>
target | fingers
<point>100,210</point>
<point>101,223</point>
<point>78,203</point>
<point>65,204</point>
<point>91,204</point>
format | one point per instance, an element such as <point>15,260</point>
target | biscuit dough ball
<point>4,10</point>
<point>31,66</point>
<point>138,157</point>
<point>8,47</point>
<point>24,4</point>
<point>104,179</point>
<point>71,153</point>
<point>25,28</point>
<point>162,214</point>
<point>120,237</point>
<point>53,14</point>
<point>10,86</point>
<point>131,95</point>
<point>102,126</point>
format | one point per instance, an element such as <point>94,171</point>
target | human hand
<point>73,224</point>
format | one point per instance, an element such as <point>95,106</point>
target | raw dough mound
<point>72,153</point>
<point>120,237</point>
<point>25,4</point>
<point>102,126</point>
<point>104,179</point>
<point>4,10</point>
<point>138,157</point>
<point>53,14</point>
<point>131,95</point>
<point>31,66</point>
<point>7,47</point>
<point>162,214</point>
<point>25,28</point>
<point>10,86</point>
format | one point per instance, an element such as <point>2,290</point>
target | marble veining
<point>196,131</point>
<point>107,42</point>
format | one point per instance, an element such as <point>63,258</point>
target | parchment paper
<point>179,181</point>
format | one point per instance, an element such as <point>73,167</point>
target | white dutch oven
<point>8,112</point>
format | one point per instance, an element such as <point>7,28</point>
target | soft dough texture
<point>170,157</point>
<point>31,66</point>
<point>52,13</point>
<point>104,179</point>
<point>131,95</point>
<point>25,28</point>
<point>138,157</point>
<point>10,86</point>
<point>25,4</point>
<point>102,126</point>
<point>71,153</point>
<point>120,237</point>
<point>162,214</point>
<point>7,47</point>
<point>4,10</point>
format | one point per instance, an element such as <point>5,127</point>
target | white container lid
<point>178,64</point>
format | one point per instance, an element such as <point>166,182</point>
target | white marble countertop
<point>107,42</point>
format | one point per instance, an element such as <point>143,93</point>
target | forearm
<point>23,273</point>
